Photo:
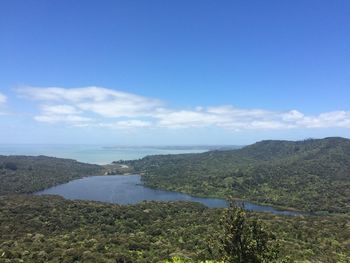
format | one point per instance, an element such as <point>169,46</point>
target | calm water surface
<point>97,154</point>
<point>128,189</point>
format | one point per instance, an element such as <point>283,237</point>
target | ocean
<point>96,154</point>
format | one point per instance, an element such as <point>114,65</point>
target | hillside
<point>311,175</point>
<point>27,174</point>
<point>52,229</point>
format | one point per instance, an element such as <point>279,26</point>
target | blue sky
<point>173,72</point>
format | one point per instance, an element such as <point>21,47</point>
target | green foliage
<point>10,166</point>
<point>310,175</point>
<point>180,260</point>
<point>52,229</point>
<point>26,174</point>
<point>244,240</point>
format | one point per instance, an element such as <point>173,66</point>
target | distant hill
<point>27,174</point>
<point>312,175</point>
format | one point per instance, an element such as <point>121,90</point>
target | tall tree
<point>245,240</point>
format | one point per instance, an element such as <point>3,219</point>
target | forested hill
<point>27,174</point>
<point>312,175</point>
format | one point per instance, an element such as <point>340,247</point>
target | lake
<point>129,189</point>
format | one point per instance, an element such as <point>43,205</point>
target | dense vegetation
<point>27,174</point>
<point>244,239</point>
<point>311,175</point>
<point>52,229</point>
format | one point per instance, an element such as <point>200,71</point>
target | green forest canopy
<point>52,229</point>
<point>310,175</point>
<point>27,174</point>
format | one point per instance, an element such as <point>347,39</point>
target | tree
<point>245,240</point>
<point>10,166</point>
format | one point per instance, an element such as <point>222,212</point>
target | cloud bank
<point>107,108</point>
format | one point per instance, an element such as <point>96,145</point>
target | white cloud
<point>59,109</point>
<point>101,107</point>
<point>127,124</point>
<point>292,115</point>
<point>186,118</point>
<point>101,101</point>
<point>72,119</point>
<point>340,119</point>
<point>3,98</point>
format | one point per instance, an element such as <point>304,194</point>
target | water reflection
<point>128,189</point>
